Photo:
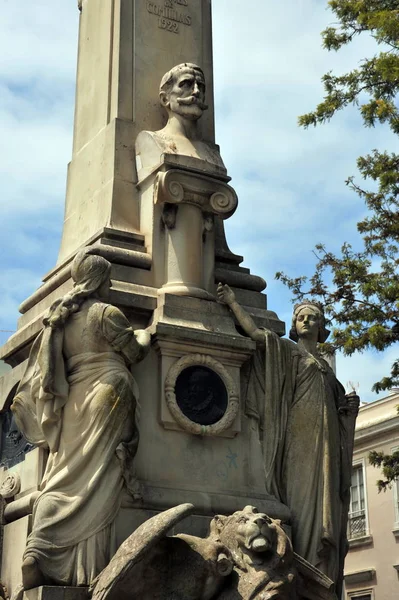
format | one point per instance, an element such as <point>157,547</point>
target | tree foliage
<point>390,467</point>
<point>360,290</point>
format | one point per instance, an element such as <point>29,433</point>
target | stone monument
<point>135,404</point>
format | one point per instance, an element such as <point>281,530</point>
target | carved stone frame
<point>233,399</point>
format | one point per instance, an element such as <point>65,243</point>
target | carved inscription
<point>171,15</point>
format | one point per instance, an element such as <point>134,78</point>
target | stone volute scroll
<point>183,185</point>
<point>78,398</point>
<point>177,187</point>
<point>201,395</point>
<point>10,486</point>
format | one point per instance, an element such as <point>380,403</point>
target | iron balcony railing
<point>357,526</point>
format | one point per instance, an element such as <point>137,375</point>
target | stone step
<point>48,592</point>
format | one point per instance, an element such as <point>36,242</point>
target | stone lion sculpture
<point>150,565</point>
<point>262,555</point>
<point>246,556</point>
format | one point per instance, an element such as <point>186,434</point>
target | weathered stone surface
<point>308,448</point>
<point>149,565</point>
<point>245,556</point>
<point>219,473</point>
<point>262,554</point>
<point>78,398</point>
<point>14,542</point>
<point>56,593</point>
<point>22,507</point>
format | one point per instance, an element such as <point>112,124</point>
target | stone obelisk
<point>124,49</point>
<point>161,228</point>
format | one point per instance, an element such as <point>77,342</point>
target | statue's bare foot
<point>31,574</point>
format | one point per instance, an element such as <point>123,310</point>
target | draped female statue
<point>78,397</point>
<point>306,425</point>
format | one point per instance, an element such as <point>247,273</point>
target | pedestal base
<point>48,592</point>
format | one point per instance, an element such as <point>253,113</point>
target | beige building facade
<point>372,563</point>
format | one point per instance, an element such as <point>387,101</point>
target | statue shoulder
<point>290,349</point>
<point>109,310</point>
<point>150,142</point>
<point>150,146</point>
<point>146,140</point>
<point>93,310</point>
<point>285,343</point>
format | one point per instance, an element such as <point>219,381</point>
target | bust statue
<point>182,94</point>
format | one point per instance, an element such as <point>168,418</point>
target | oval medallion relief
<point>201,395</point>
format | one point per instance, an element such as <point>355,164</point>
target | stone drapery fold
<point>296,399</point>
<point>82,405</point>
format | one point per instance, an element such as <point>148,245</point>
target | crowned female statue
<point>78,398</point>
<point>306,425</point>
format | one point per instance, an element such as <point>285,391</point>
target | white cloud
<point>38,40</point>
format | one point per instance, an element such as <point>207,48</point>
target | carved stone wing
<point>119,574</point>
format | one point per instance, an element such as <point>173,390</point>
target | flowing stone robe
<point>78,397</point>
<point>306,446</point>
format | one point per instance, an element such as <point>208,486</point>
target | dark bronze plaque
<point>201,395</point>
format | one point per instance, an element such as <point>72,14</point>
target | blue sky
<point>268,63</point>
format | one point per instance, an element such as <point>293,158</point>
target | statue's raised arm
<point>306,427</point>
<point>226,296</point>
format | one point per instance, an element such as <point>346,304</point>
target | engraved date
<point>168,25</point>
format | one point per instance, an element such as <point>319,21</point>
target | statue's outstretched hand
<point>352,402</point>
<point>351,405</point>
<point>225,294</point>
<point>143,339</point>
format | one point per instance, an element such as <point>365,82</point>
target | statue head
<point>308,321</point>
<point>256,542</point>
<point>182,91</point>
<point>91,277</point>
<point>90,272</point>
<point>247,528</point>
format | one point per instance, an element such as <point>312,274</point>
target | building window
<point>357,519</point>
